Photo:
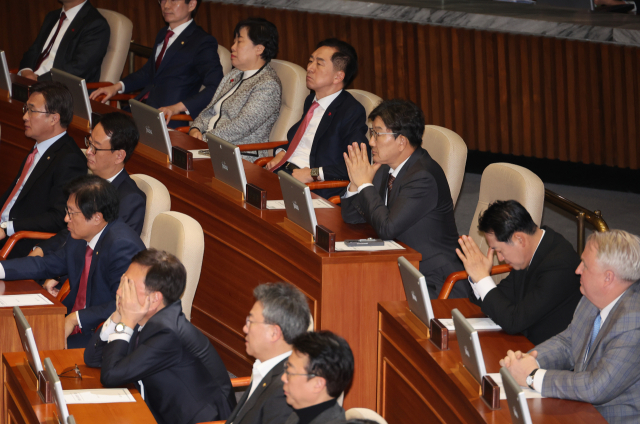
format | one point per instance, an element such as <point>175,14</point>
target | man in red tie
<point>73,39</point>
<point>332,119</point>
<point>97,251</point>
<point>34,201</point>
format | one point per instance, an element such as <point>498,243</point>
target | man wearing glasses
<point>318,371</point>
<point>34,200</point>
<point>404,195</point>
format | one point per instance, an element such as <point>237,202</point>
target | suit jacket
<point>40,205</point>
<point>419,211</point>
<point>189,63</point>
<point>184,379</point>
<point>133,203</point>
<point>333,415</point>
<point>610,377</point>
<point>81,49</point>
<point>343,123</point>
<point>538,301</point>
<point>111,258</point>
<point>267,404</point>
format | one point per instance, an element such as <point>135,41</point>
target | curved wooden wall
<point>503,93</point>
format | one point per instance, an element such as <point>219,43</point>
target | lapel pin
<point>232,80</point>
<point>97,253</point>
<point>264,384</point>
<point>48,157</point>
<point>73,29</point>
<point>182,43</point>
<point>329,113</point>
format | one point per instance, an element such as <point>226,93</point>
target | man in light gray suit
<point>596,358</point>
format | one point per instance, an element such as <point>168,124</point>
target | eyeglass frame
<point>74,368</point>
<point>376,134</point>
<point>286,371</point>
<point>93,148</point>
<point>248,322</point>
<point>70,214</point>
<point>170,1</point>
<point>26,109</point>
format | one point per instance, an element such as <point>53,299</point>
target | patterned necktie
<point>164,47</point>
<point>390,183</point>
<point>45,52</point>
<point>25,172</point>
<point>81,297</point>
<point>594,334</point>
<point>299,133</point>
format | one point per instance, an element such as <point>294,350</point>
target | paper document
<point>317,204</point>
<point>200,154</point>
<point>479,324</point>
<point>97,396</point>
<point>12,300</point>
<point>529,394</point>
<point>388,245</point>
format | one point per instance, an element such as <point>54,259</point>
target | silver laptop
<point>469,344</point>
<point>415,288</point>
<point>227,162</point>
<point>78,88</point>
<point>58,397</point>
<point>71,420</point>
<point>151,126</point>
<point>28,341</point>
<point>5,78</point>
<point>297,201</point>
<point>518,407</point>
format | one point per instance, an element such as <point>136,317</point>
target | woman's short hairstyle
<point>402,117</point>
<point>619,250</point>
<point>260,32</point>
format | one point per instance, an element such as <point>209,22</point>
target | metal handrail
<point>582,215</point>
<point>137,50</point>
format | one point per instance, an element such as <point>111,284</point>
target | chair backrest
<point>504,181</point>
<point>118,48</point>
<point>182,236</point>
<point>368,100</point>
<point>364,413</point>
<point>449,150</point>
<point>294,91</point>
<point>225,59</point>
<point>158,200</point>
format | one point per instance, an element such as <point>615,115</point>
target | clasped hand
<point>128,307</point>
<point>477,265</point>
<point>520,365</point>
<point>358,166</point>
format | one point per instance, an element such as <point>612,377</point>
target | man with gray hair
<point>279,315</point>
<point>596,358</point>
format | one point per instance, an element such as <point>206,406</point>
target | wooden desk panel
<point>417,382</point>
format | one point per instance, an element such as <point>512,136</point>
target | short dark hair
<point>330,357</point>
<point>402,117</point>
<point>57,98</point>
<point>166,273</point>
<point>122,132</point>
<point>94,194</point>
<point>194,11</point>
<point>261,32</point>
<point>503,218</point>
<point>284,305</point>
<point>345,59</point>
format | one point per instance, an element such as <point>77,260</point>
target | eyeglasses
<point>26,109</point>
<point>161,2</point>
<point>374,133</point>
<point>66,210</point>
<point>71,369</point>
<point>92,147</point>
<point>248,322</point>
<point>289,374</point>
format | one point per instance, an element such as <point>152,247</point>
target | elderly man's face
<point>592,274</point>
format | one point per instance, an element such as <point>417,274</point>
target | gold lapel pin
<point>48,157</point>
<point>182,43</point>
<point>264,384</point>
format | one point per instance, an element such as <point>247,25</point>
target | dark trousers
<point>435,280</point>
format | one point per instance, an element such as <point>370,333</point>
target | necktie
<point>45,52</point>
<point>390,183</point>
<point>296,138</point>
<point>164,47</point>
<point>81,297</point>
<point>25,172</point>
<point>594,334</point>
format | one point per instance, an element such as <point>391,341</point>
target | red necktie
<point>164,47</point>
<point>81,297</point>
<point>296,138</point>
<point>25,171</point>
<point>45,52</point>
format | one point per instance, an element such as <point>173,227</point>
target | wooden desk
<point>245,247</point>
<point>47,322</point>
<point>433,386</point>
<point>24,405</point>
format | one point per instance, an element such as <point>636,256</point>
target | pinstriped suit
<point>610,377</point>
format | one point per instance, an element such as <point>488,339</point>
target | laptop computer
<point>227,162</point>
<point>58,396</point>
<point>27,340</point>
<point>415,288</point>
<point>297,202</point>
<point>78,88</point>
<point>469,345</point>
<point>5,79</point>
<point>151,126</point>
<point>518,407</point>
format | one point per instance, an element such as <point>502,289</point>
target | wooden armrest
<point>261,146</point>
<point>183,129</point>
<point>14,70</point>
<point>95,85</point>
<point>335,200</point>
<point>181,117</point>
<point>317,185</point>
<point>461,275</point>
<point>263,161</point>
<point>64,291</point>
<point>214,422</point>
<point>241,381</point>
<point>4,252</point>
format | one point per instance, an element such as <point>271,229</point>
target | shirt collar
<point>178,30</point>
<point>94,240</point>
<point>604,312</point>
<point>71,13</point>
<point>43,146</point>
<point>249,74</point>
<point>534,252</point>
<point>263,368</point>
<point>325,102</point>
<point>396,171</point>
<point>115,176</point>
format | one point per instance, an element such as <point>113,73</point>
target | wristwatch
<point>530,378</point>
<point>121,328</point>
<point>4,225</point>
<point>315,173</point>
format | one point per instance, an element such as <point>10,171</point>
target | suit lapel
<point>119,179</point>
<point>41,166</point>
<point>94,261</point>
<point>546,244</point>
<point>74,27</point>
<point>326,120</point>
<point>402,175</point>
<point>175,46</point>
<point>262,387</point>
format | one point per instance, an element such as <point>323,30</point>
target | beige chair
<point>449,150</point>
<point>364,413</point>
<point>225,59</point>
<point>118,48</point>
<point>368,100</point>
<point>294,91</point>
<point>182,236</point>
<point>158,200</point>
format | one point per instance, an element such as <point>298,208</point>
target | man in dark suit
<point>96,253</point>
<point>34,201</point>
<point>318,371</point>
<point>185,58</point>
<point>405,194</point>
<point>279,315</point>
<point>73,39</point>
<point>332,119</point>
<point>539,296</point>
<point>148,341</point>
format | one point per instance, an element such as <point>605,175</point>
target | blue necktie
<point>594,334</point>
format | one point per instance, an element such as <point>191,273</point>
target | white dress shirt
<point>392,172</point>
<point>216,107</point>
<point>260,369</point>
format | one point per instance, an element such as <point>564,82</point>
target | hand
<point>276,160</point>
<point>195,133</point>
<point>2,234</point>
<point>108,92</point>
<point>70,322</point>
<point>169,111</point>
<point>29,74</point>
<point>50,286</point>
<point>303,175</point>
<point>36,252</point>
<point>131,310</point>
<point>520,365</point>
<point>358,166</point>
<point>475,263</point>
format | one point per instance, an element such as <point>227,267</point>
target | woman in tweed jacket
<point>246,104</point>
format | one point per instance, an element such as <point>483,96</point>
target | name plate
<point>490,392</point>
<point>439,335</point>
<point>44,388</point>
<point>182,158</point>
<point>256,196</point>
<point>19,92</point>
<point>325,238</point>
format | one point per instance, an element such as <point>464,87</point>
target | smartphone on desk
<point>364,242</point>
